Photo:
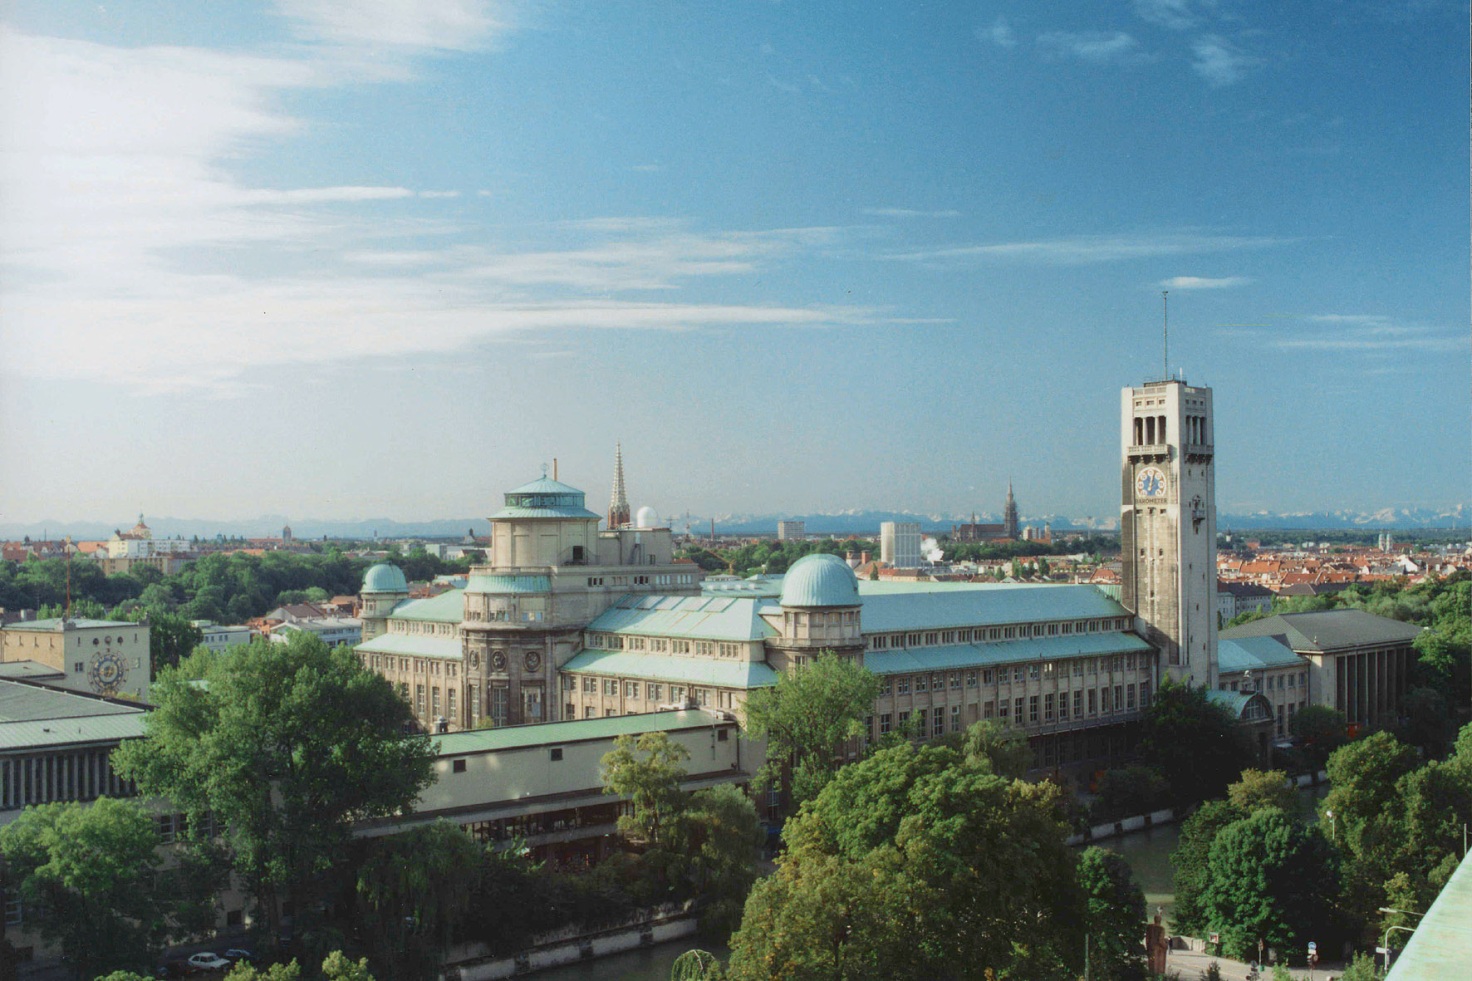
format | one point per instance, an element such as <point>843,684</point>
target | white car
<point>207,961</point>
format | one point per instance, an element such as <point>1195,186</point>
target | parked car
<point>235,954</point>
<point>176,968</point>
<point>207,961</point>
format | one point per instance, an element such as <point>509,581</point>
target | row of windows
<point>1034,709</point>
<point>410,665</point>
<point>1044,670</point>
<point>1289,680</point>
<point>664,645</point>
<point>978,635</point>
<point>664,579</point>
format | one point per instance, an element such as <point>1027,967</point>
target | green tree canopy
<point>285,745</point>
<point>806,718</point>
<point>648,772</point>
<point>1322,729</point>
<point>1191,860</point>
<point>413,890</point>
<point>1257,789</point>
<point>1196,744</point>
<point>917,862</point>
<point>1114,910</point>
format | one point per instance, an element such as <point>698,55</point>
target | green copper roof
<point>667,667</point>
<point>544,498</point>
<point>385,578</point>
<point>1441,945</point>
<point>508,585</point>
<point>1237,702</point>
<point>820,579</point>
<point>553,733</point>
<point>892,606</point>
<point>696,617</point>
<point>415,645</point>
<point>1254,654</point>
<point>447,607</point>
<point>953,656</point>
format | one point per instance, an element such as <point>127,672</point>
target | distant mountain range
<point>852,522</point>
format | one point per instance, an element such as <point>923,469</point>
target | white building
<point>899,544</point>
<point>791,531</point>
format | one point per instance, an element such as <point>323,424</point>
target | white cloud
<point>439,194</point>
<point>1202,282</point>
<point>1082,249</point>
<point>1093,47</point>
<point>451,25</point>
<point>1370,333</point>
<point>1174,14</point>
<point>910,213</point>
<point>1219,61</point>
<point>1000,33</point>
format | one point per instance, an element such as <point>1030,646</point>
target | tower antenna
<point>1165,332</point>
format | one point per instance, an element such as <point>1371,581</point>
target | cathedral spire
<point>618,505</point>
<point>1010,521</point>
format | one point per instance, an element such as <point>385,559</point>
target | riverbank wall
<point>643,928</point>
<point>1139,822</point>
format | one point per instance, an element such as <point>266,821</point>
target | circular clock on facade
<point>1150,482</point>
<point>498,661</point>
<point>533,660</point>
<point>109,671</point>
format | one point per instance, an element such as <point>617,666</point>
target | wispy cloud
<point>1203,282</point>
<point>446,25</point>
<point>1093,47</point>
<point>1174,14</point>
<point>1000,33</point>
<point>910,213</point>
<point>1339,332</point>
<point>1084,249</point>
<point>1219,61</point>
<point>122,228</point>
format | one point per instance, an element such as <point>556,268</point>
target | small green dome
<point>820,579</point>
<point>385,578</point>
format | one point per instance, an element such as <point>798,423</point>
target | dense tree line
<point>770,557</point>
<point>225,587</point>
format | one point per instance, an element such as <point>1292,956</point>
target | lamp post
<point>1385,942</point>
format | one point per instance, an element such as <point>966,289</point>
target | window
<point>457,766</point>
<point>631,689</point>
<point>986,676</point>
<point>1119,698</point>
<point>1104,701</point>
<point>1062,706</point>
<point>702,696</point>
<point>450,703</point>
<point>1005,708</point>
<point>1093,701</point>
<point>590,686</point>
<point>1017,674</point>
<point>885,685</point>
<point>919,683</point>
<point>723,735</point>
<point>904,686</point>
<point>588,711</point>
<point>955,718</point>
<point>656,692</point>
<point>1129,695</point>
<point>1144,694</point>
<point>419,699</point>
<point>434,699</point>
<point>555,754</point>
<point>1032,672</point>
<point>970,679</point>
<point>1017,710</point>
<point>677,693</point>
<point>610,687</point>
<point>1078,705</point>
<point>1032,709</point>
<point>1048,707</point>
<point>989,710</point>
<point>500,706</point>
<point>938,725</point>
<point>884,723</point>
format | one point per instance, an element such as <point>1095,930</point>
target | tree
<point>1368,815</point>
<point>337,966</point>
<point>1258,789</point>
<point>1195,743</point>
<point>289,971</point>
<point>1002,746</point>
<point>1191,862</point>
<point>651,783</point>
<point>1427,721</point>
<point>917,862</point>
<point>92,881</point>
<point>1269,878</point>
<point>285,745</point>
<point>720,838</point>
<point>413,890</point>
<point>1128,791</point>
<point>171,638</point>
<point>1114,911</point>
<point>1322,730</point>
<point>696,965</point>
<point>806,718</point>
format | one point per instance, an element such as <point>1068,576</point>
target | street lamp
<point>1385,942</point>
<point>1330,815</point>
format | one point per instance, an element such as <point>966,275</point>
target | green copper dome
<point>820,579</point>
<point>385,578</point>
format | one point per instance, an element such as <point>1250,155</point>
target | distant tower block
<point>618,505</point>
<point>1168,523</point>
<point>791,531</point>
<point>899,544</point>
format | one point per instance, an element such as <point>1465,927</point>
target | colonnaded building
<point>570,621</point>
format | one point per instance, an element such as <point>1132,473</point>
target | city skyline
<point>389,261</point>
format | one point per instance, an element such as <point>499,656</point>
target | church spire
<point>1010,521</point>
<point>618,505</point>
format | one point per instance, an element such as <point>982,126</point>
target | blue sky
<point>387,258</point>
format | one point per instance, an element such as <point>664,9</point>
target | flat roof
<point>576,730</point>
<point>74,623</point>
<point>447,607</point>
<point>1328,630</point>
<point>1254,654</point>
<point>23,703</point>
<point>892,606</point>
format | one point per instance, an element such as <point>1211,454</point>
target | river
<point>1147,851</point>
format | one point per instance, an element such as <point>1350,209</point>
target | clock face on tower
<point>109,671</point>
<point>1150,482</point>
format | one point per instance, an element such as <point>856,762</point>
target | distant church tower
<point>1009,516</point>
<point>1167,524</point>
<point>618,506</point>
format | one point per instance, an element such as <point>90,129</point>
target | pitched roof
<point>1254,654</point>
<point>418,645</point>
<point>891,606</point>
<point>953,656</point>
<point>447,607</point>
<point>698,617</point>
<point>668,667</point>
<point>1328,630</point>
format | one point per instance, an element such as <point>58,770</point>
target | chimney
<point>864,558</point>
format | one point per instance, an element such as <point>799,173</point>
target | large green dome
<point>385,578</point>
<point>820,579</point>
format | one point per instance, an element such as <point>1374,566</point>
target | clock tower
<point>1167,524</point>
